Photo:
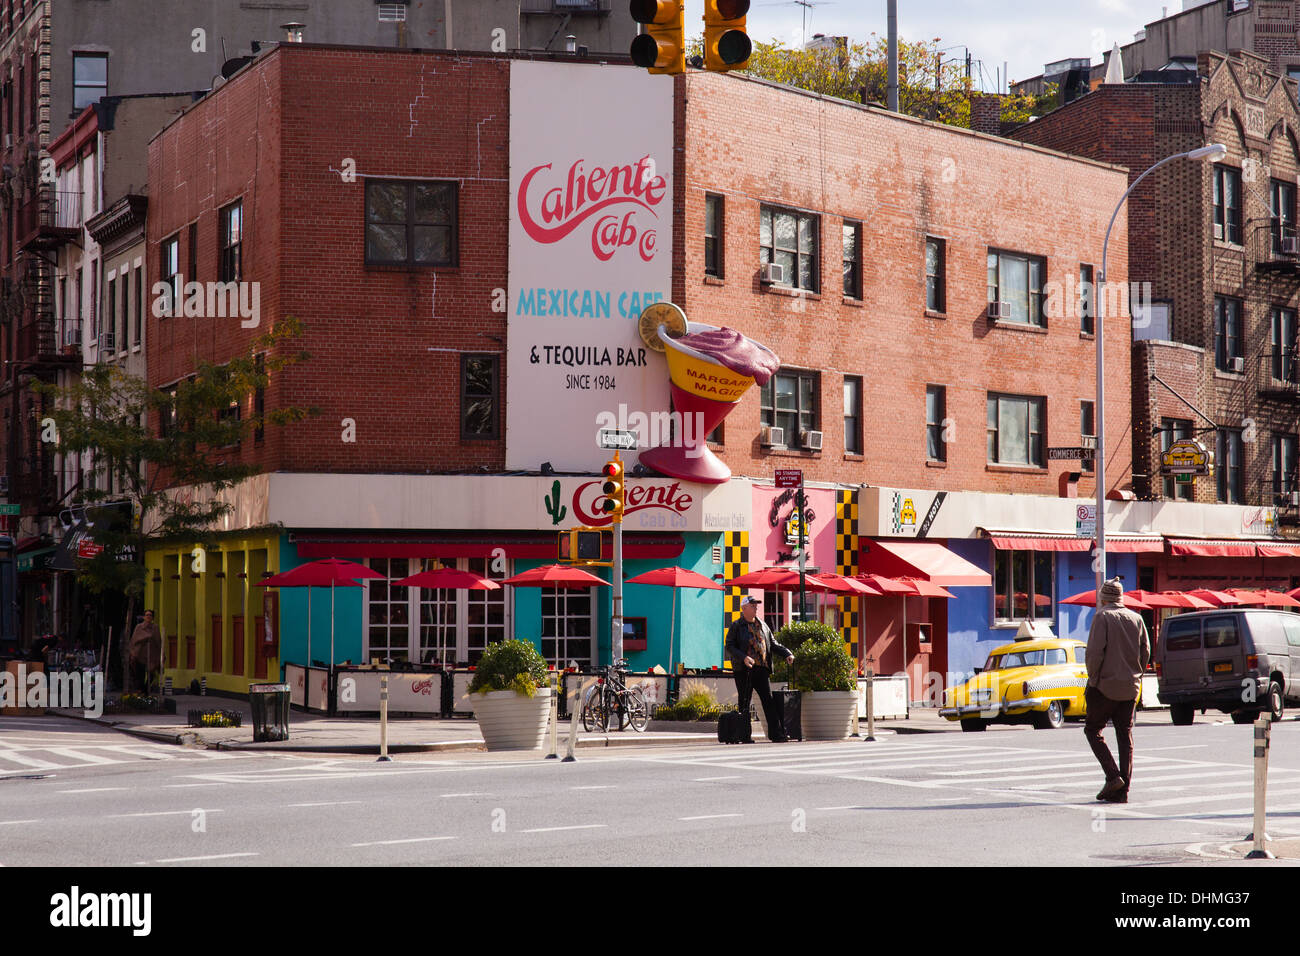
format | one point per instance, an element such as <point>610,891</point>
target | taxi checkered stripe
<point>1052,683</point>
<point>735,562</point>
<point>846,562</point>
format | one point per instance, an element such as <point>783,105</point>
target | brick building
<point>912,414</point>
<point>1214,355</point>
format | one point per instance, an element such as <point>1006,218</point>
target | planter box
<point>511,722</point>
<point>828,714</point>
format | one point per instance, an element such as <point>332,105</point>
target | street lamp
<point>1213,151</point>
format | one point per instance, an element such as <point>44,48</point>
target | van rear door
<point>1225,663</point>
<point>1182,660</point>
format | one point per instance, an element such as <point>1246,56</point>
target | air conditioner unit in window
<point>1295,499</point>
<point>811,440</point>
<point>999,311</point>
<point>771,436</point>
<point>1239,364</point>
<point>106,341</point>
<point>1290,246</point>
<point>1218,230</point>
<point>772,272</point>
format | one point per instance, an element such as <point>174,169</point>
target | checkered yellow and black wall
<point>846,563</point>
<point>735,562</point>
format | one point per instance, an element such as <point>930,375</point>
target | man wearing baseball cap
<point>1118,651</point>
<point>751,647</point>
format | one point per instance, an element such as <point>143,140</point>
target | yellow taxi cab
<point>1038,679</point>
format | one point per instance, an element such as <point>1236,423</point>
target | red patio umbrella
<point>1153,600</point>
<point>556,576</point>
<point>1217,598</point>
<point>1265,597</point>
<point>842,585</point>
<point>1187,600</point>
<point>1089,599</point>
<point>675,578</point>
<point>883,584</point>
<point>327,572</point>
<point>925,588</point>
<point>776,579</point>
<point>448,579</point>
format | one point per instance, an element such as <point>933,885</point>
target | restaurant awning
<point>921,559</point>
<point>524,546</point>
<point>1212,547</point>
<point>1006,540</point>
<point>1278,549</point>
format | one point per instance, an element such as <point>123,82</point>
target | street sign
<point>789,478</point>
<point>1085,521</point>
<point>11,509</point>
<point>1089,441</point>
<point>613,438</point>
<point>1074,453</point>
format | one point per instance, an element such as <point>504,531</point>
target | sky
<point>1023,33</point>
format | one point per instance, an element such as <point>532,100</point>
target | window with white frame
<point>568,632</point>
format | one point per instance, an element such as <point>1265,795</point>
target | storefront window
<point>567,627</point>
<point>453,626</point>
<point>1023,585</point>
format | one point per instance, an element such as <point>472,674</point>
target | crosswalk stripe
<point>1208,797</point>
<point>32,762</point>
<point>81,755</point>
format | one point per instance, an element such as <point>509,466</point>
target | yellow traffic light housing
<point>584,546</point>
<point>726,44</point>
<point>614,489</point>
<point>662,47</point>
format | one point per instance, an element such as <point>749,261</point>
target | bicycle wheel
<point>594,713</point>
<point>637,710</point>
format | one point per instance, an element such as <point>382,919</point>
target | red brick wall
<point>903,179</point>
<point>279,135</point>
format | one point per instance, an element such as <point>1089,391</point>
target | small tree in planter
<point>794,635</point>
<point>512,696</point>
<point>825,674</point>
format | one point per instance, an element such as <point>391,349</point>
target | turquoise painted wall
<point>348,608</point>
<point>696,637</point>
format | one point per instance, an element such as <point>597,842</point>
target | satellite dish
<point>233,66</point>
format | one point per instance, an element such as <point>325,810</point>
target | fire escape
<point>43,219</point>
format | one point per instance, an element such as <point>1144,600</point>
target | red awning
<point>1132,545</point>
<point>921,559</point>
<point>1279,549</point>
<point>520,545</point>
<point>1210,548</point>
<point>1037,541</point>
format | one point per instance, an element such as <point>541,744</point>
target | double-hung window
<point>713,232</point>
<point>1015,283</point>
<point>853,414</point>
<point>789,401</point>
<point>1015,430</point>
<point>411,223</point>
<point>1022,582</point>
<point>1228,353</point>
<point>170,268</point>
<point>1227,204</point>
<point>1087,430</point>
<point>478,399</point>
<point>1281,207</point>
<point>1284,344</point>
<point>1227,465</point>
<point>936,400</point>
<point>1284,467</point>
<point>232,243</point>
<point>1087,300</point>
<point>852,261</point>
<point>89,79</point>
<point>789,240</point>
<point>936,291</point>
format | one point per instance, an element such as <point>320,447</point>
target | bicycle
<point>609,696</point>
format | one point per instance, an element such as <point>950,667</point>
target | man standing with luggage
<point>750,646</point>
<point>1118,651</point>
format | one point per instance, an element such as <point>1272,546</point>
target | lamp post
<point>1213,151</point>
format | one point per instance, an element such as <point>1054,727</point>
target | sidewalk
<point>311,733</point>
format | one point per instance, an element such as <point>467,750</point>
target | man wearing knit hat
<point>1118,651</point>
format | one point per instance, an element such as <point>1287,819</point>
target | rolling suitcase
<point>786,704</point>
<point>734,728</point>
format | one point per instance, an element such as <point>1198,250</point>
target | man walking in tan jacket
<point>1118,651</point>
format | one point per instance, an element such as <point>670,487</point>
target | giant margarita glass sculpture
<point>710,369</point>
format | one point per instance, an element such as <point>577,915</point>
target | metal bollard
<point>871,703</point>
<point>573,722</point>
<point>383,720</point>
<point>1263,728</point>
<point>555,716</point>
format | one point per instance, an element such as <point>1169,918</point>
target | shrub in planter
<point>823,664</point>
<point>510,665</point>
<point>513,696</point>
<point>794,635</point>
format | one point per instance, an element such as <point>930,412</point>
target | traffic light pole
<point>803,550</point>
<point>616,625</point>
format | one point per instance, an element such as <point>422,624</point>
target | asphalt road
<point>73,794</point>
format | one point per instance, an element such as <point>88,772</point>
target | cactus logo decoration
<point>556,510</point>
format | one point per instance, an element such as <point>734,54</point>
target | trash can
<point>270,706</point>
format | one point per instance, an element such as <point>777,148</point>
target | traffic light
<point>726,44</point>
<point>662,47</point>
<point>614,489</point>
<point>583,546</point>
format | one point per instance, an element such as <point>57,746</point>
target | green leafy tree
<point>105,420</point>
<point>931,85</point>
